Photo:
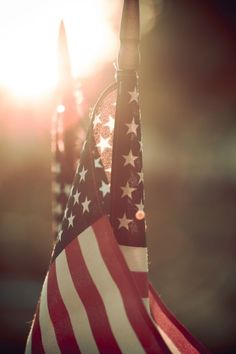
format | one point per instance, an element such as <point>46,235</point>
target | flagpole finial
<point>64,69</point>
<point>129,57</point>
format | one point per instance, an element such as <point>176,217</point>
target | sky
<point>28,37</point>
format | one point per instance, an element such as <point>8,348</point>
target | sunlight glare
<point>29,35</point>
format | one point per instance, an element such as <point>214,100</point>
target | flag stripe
<point>59,316</point>
<point>136,312</point>
<point>28,348</point>
<point>140,279</point>
<point>34,344</point>
<point>90,297</point>
<point>146,304</point>
<point>114,307</point>
<point>177,334</point>
<point>75,308</point>
<point>136,258</point>
<point>48,333</point>
<point>168,341</point>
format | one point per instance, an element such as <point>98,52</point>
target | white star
<point>105,189</point>
<point>129,159</point>
<point>140,177</point>
<point>67,189</point>
<point>76,197</point>
<point>97,120</point>
<point>141,145</point>
<point>82,174</point>
<point>103,144</point>
<point>86,205</point>
<point>134,95</point>
<point>127,191</point>
<point>56,188</point>
<point>97,163</point>
<point>57,209</point>
<point>59,235</point>
<point>84,144</point>
<point>132,127</point>
<point>65,212</point>
<point>56,167</point>
<point>140,206</point>
<point>58,228</point>
<point>124,222</point>
<point>71,220</point>
<point>110,124</point>
<point>108,169</point>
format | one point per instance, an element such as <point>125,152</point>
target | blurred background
<point>188,85</point>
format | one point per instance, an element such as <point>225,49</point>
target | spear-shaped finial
<point>129,57</point>
<point>64,69</point>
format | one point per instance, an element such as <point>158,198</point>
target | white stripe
<point>135,257</point>
<point>29,341</point>
<point>75,307</point>
<point>173,349</point>
<point>119,322</point>
<point>49,340</point>
<point>146,303</point>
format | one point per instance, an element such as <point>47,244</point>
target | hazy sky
<point>28,37</point>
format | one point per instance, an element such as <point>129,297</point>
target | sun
<point>29,35</point>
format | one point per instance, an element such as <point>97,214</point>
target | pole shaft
<point>129,57</point>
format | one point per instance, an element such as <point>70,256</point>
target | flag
<point>96,297</point>
<point>67,134</point>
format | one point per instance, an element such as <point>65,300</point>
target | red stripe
<point>36,341</point>
<point>59,316</point>
<point>178,334</point>
<point>136,312</point>
<point>91,300</point>
<point>140,279</point>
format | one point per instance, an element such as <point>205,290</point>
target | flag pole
<point>64,134</point>
<point>64,67</point>
<point>127,65</point>
<point>129,56</point>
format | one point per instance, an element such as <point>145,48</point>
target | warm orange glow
<point>140,215</point>
<point>29,34</point>
<point>60,108</point>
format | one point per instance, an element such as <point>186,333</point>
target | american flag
<point>66,145</point>
<point>67,134</point>
<point>96,297</point>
